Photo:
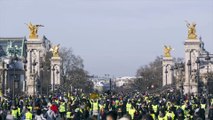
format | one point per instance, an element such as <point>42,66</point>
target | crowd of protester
<point>105,106</point>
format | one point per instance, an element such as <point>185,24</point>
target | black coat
<point>210,115</point>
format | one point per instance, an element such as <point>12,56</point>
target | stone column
<point>168,75</point>
<point>33,53</point>
<point>192,51</point>
<point>56,73</point>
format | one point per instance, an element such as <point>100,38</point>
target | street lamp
<point>25,69</point>
<point>14,60</point>
<point>189,66</point>
<point>53,69</point>
<point>41,78</point>
<point>166,75</point>
<point>180,67</point>
<point>34,82</point>
<point>34,86</point>
<point>198,75</point>
<point>207,58</point>
<point>57,72</point>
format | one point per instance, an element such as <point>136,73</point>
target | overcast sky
<point>113,37</point>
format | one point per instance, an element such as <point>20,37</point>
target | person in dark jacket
<point>210,115</point>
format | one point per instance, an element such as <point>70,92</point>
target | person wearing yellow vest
<point>19,112</point>
<point>161,116</point>
<point>203,106</point>
<point>132,112</point>
<point>15,113</point>
<point>95,107</point>
<point>30,108</point>
<point>155,108</point>
<point>152,114</point>
<point>62,109</point>
<point>28,115</point>
<point>68,115</point>
<point>128,106</point>
<point>170,115</point>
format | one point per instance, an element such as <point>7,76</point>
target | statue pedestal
<point>192,51</point>
<point>34,50</point>
<point>167,64</point>
<point>55,72</point>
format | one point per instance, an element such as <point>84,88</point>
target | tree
<point>73,73</point>
<point>149,76</point>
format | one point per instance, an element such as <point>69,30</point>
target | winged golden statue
<point>167,50</point>
<point>33,30</point>
<point>191,30</point>
<point>55,50</point>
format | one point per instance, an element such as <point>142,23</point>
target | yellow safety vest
<point>28,116</point>
<point>153,116</point>
<point>203,106</point>
<point>162,118</point>
<point>19,111</point>
<point>57,101</point>
<point>131,112</point>
<point>68,115</point>
<point>183,107</point>
<point>95,106</point>
<point>128,106</point>
<point>172,115</point>
<point>31,108</point>
<point>62,107</point>
<point>155,108</point>
<point>15,113</point>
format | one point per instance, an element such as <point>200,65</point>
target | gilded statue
<point>191,30</point>
<point>167,50</point>
<point>55,50</point>
<point>33,30</point>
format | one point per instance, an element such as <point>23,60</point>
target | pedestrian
<point>210,115</point>
<point>50,115</point>
<point>39,115</point>
<point>112,115</point>
<point>9,116</point>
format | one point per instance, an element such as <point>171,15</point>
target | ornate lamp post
<point>14,60</point>
<point>189,66</point>
<point>53,69</point>
<point>180,67</point>
<point>13,50</point>
<point>57,72</point>
<point>166,74</point>
<point>25,69</point>
<point>34,82</point>
<point>198,75</point>
<point>207,58</point>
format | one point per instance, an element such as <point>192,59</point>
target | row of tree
<point>149,77</point>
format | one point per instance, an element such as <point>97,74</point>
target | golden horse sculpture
<point>167,50</point>
<point>55,50</point>
<point>191,30</point>
<point>33,30</point>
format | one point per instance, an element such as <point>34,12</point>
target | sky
<point>113,37</point>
